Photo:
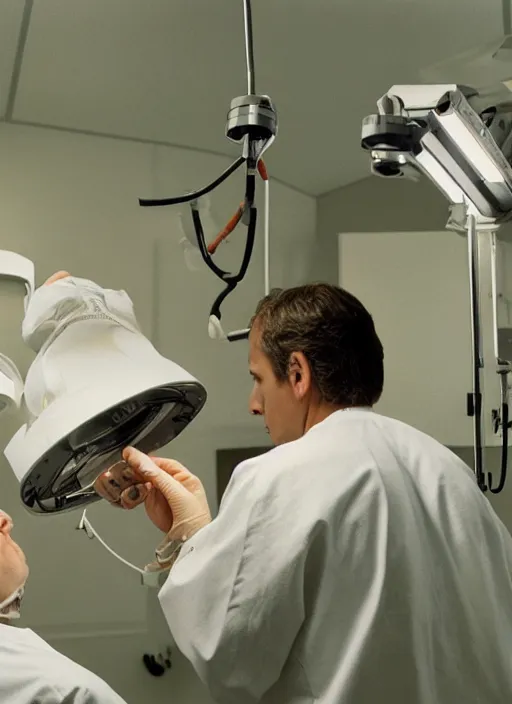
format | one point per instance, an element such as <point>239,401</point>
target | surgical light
<point>469,145</point>
<point>441,120</point>
<point>438,174</point>
<point>96,385</point>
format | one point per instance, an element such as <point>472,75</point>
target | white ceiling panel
<point>11,14</point>
<point>166,70</point>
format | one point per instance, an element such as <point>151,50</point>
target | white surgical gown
<point>359,564</point>
<point>32,672</point>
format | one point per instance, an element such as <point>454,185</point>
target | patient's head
<point>13,565</point>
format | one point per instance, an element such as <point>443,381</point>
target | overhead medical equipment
<point>462,141</point>
<point>96,385</point>
<point>251,122</point>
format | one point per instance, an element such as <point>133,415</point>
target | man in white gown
<point>357,562</point>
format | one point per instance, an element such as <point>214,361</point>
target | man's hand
<point>174,499</point>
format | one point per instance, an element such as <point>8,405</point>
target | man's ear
<point>299,374</point>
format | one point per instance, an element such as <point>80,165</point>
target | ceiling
<point>166,70</point>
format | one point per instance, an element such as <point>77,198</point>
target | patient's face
<point>13,565</point>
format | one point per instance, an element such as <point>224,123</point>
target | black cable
<point>504,443</point>
<point>480,476</point>
<point>198,227</point>
<point>249,48</point>
<point>233,281</point>
<point>250,188</point>
<point>476,356</point>
<point>251,234</point>
<point>215,309</point>
<point>145,203</point>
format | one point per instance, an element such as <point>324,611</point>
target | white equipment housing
<point>96,386</point>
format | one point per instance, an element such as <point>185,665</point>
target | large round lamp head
<point>96,386</point>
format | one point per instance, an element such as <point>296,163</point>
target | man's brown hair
<point>336,334</point>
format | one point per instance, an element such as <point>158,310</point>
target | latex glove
<point>174,498</point>
<point>186,509</point>
<point>122,489</point>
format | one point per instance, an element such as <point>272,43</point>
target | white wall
<point>416,286</point>
<point>70,201</point>
<point>377,205</point>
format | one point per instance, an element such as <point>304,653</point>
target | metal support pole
<point>477,359</point>
<point>503,368</point>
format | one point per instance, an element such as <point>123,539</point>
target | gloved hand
<point>174,498</point>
